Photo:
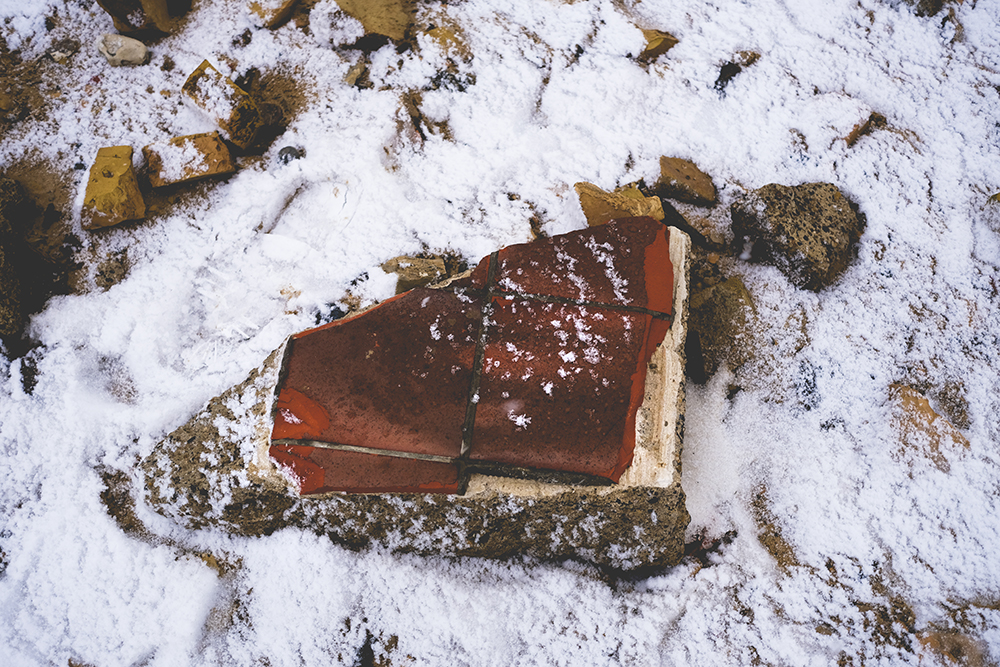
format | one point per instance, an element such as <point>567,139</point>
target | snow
<point>219,281</point>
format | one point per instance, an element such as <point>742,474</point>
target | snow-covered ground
<point>886,555</point>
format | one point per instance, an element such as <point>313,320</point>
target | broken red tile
<point>395,378</point>
<point>321,470</point>
<point>560,386</point>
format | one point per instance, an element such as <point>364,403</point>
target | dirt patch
<point>770,533</point>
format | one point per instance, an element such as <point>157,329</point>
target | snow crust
<point>218,282</point>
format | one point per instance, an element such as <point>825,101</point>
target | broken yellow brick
<point>230,107</point>
<point>271,13</point>
<point>187,158</point>
<point>600,206</point>
<point>657,43</point>
<point>684,181</point>
<point>112,194</point>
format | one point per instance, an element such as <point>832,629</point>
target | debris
<point>600,206</point>
<point>187,158</point>
<point>289,153</point>
<point>120,50</point>
<point>272,13</point>
<point>388,18</point>
<point>921,429</point>
<point>232,108</point>
<point>63,50</point>
<point>414,271</point>
<point>112,191</point>
<point>657,43</point>
<point>722,326</point>
<point>807,231</point>
<point>682,180</point>
<point>136,15</point>
<point>874,122</point>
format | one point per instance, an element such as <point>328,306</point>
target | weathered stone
<point>187,158</point>
<point>215,471</point>
<point>809,232</point>
<point>113,194</point>
<point>289,153</point>
<point>271,13</point>
<point>723,319</point>
<point>657,43</point>
<point>230,107</point>
<point>63,50</point>
<point>389,18</point>
<point>600,206</point>
<point>682,180</point>
<point>136,15</point>
<point>120,50</point>
<point>414,271</point>
<point>921,429</point>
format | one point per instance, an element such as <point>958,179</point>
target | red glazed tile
<point>624,262</point>
<point>320,470</point>
<point>396,377</point>
<point>561,385</point>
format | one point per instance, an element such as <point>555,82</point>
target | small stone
<point>682,180</point>
<point>389,18</point>
<point>63,50</point>
<point>657,43</point>
<point>235,111</point>
<point>120,50</point>
<point>921,429</point>
<point>271,13</point>
<point>112,192</point>
<point>599,206</point>
<point>875,121</point>
<point>188,158</point>
<point>809,231</point>
<point>136,15</point>
<point>723,318</point>
<point>289,153</point>
<point>414,271</point>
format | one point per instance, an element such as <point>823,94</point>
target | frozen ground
<point>841,545</point>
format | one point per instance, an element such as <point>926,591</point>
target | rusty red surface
<point>569,329</point>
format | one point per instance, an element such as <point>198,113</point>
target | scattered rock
<point>874,122</point>
<point>136,15</point>
<point>923,430</point>
<point>414,271</point>
<point>388,18</point>
<point>808,231</point>
<point>289,153</point>
<point>63,50</point>
<point>112,192</point>
<point>187,158</point>
<point>684,181</point>
<point>926,7</point>
<point>729,71</point>
<point>272,13</point>
<point>235,111</point>
<point>721,328</point>
<point>120,50</point>
<point>657,43</point>
<point>600,206</point>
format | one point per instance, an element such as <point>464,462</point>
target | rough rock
<point>187,158</point>
<point>722,323</point>
<point>921,429</point>
<point>682,180</point>
<point>600,206</point>
<point>657,43</point>
<point>809,232</point>
<point>215,471</point>
<point>414,271</point>
<point>235,111</point>
<point>120,50</point>
<point>389,18</point>
<point>113,194</point>
<point>271,13</point>
<point>136,15</point>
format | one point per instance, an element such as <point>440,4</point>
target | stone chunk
<point>271,13</point>
<point>187,158</point>
<point>112,192</point>
<point>414,271</point>
<point>723,320</point>
<point>120,50</point>
<point>235,111</point>
<point>657,43</point>
<point>389,18</point>
<point>682,180</point>
<point>809,232</point>
<point>136,15</point>
<point>599,206</point>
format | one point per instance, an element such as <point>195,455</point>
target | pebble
<point>289,153</point>
<point>121,50</point>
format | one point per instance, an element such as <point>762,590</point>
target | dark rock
<point>63,50</point>
<point>726,74</point>
<point>289,153</point>
<point>809,232</point>
<point>140,15</point>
